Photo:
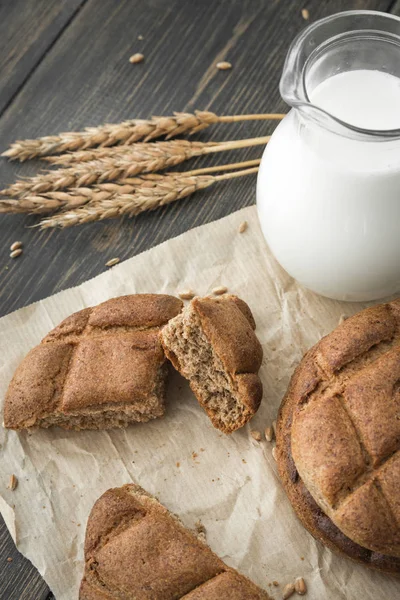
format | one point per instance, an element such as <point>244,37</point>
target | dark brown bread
<point>212,343</point>
<point>101,367</point>
<point>338,438</point>
<point>136,550</point>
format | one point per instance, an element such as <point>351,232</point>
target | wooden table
<point>64,66</point>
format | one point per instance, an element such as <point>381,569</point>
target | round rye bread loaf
<point>338,439</point>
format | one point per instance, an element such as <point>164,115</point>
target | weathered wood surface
<point>65,66</point>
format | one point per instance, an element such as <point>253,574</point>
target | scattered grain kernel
<point>112,262</point>
<point>16,253</point>
<point>243,226</point>
<point>256,435</point>
<point>15,246</point>
<point>275,583</point>
<point>342,319</point>
<point>269,434</point>
<point>274,452</point>
<point>186,294</point>
<point>9,559</point>
<point>224,65</point>
<point>218,291</point>
<point>140,37</point>
<point>288,591</point>
<point>12,484</point>
<point>200,527</point>
<point>274,427</point>
<point>300,586</point>
<point>136,58</point>
<point>305,14</point>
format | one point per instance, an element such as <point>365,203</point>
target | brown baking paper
<point>230,482</point>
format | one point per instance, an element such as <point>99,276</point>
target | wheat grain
<point>224,65</point>
<point>127,132</point>
<point>136,58</point>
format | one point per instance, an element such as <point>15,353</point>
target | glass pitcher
<point>328,191</point>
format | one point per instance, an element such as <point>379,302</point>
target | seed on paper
<point>242,227</point>
<point>256,435</point>
<point>224,65</point>
<point>186,294</point>
<point>288,591</point>
<point>16,253</point>
<point>269,434</point>
<point>300,586</point>
<point>13,483</point>
<point>218,291</point>
<point>305,14</point>
<point>15,246</point>
<point>136,58</point>
<point>112,262</point>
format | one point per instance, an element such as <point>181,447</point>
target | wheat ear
<point>127,132</point>
<point>149,196</point>
<point>76,197</point>
<point>155,157</point>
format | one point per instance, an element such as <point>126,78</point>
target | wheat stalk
<point>152,194</point>
<point>76,197</point>
<point>127,132</point>
<point>149,158</point>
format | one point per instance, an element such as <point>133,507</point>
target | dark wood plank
<point>395,8</point>
<point>27,30</point>
<point>87,79</point>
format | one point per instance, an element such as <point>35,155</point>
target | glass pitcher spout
<point>347,41</point>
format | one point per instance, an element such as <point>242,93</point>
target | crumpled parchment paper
<point>230,483</point>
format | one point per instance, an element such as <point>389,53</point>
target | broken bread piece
<point>135,548</point>
<point>102,367</point>
<point>212,343</point>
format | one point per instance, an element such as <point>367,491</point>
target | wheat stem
<point>255,117</point>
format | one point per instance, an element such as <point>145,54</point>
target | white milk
<point>329,206</point>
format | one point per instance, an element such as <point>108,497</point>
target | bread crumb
<point>305,14</point>
<point>275,583</point>
<point>342,319</point>
<point>136,58</point>
<point>244,461</point>
<point>178,464</point>
<point>224,65</point>
<point>256,435</point>
<point>243,226</point>
<point>9,559</point>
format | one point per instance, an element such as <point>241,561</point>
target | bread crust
<point>106,360</point>
<point>135,548</point>
<point>338,439</point>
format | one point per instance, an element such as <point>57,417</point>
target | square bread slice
<point>101,367</point>
<point>136,549</point>
<point>212,344</point>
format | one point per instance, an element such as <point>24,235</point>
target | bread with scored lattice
<point>135,549</point>
<point>101,367</point>
<point>338,438</point>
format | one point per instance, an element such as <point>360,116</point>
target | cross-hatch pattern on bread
<point>102,367</point>
<point>135,549</point>
<point>342,416</point>
<point>212,343</point>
